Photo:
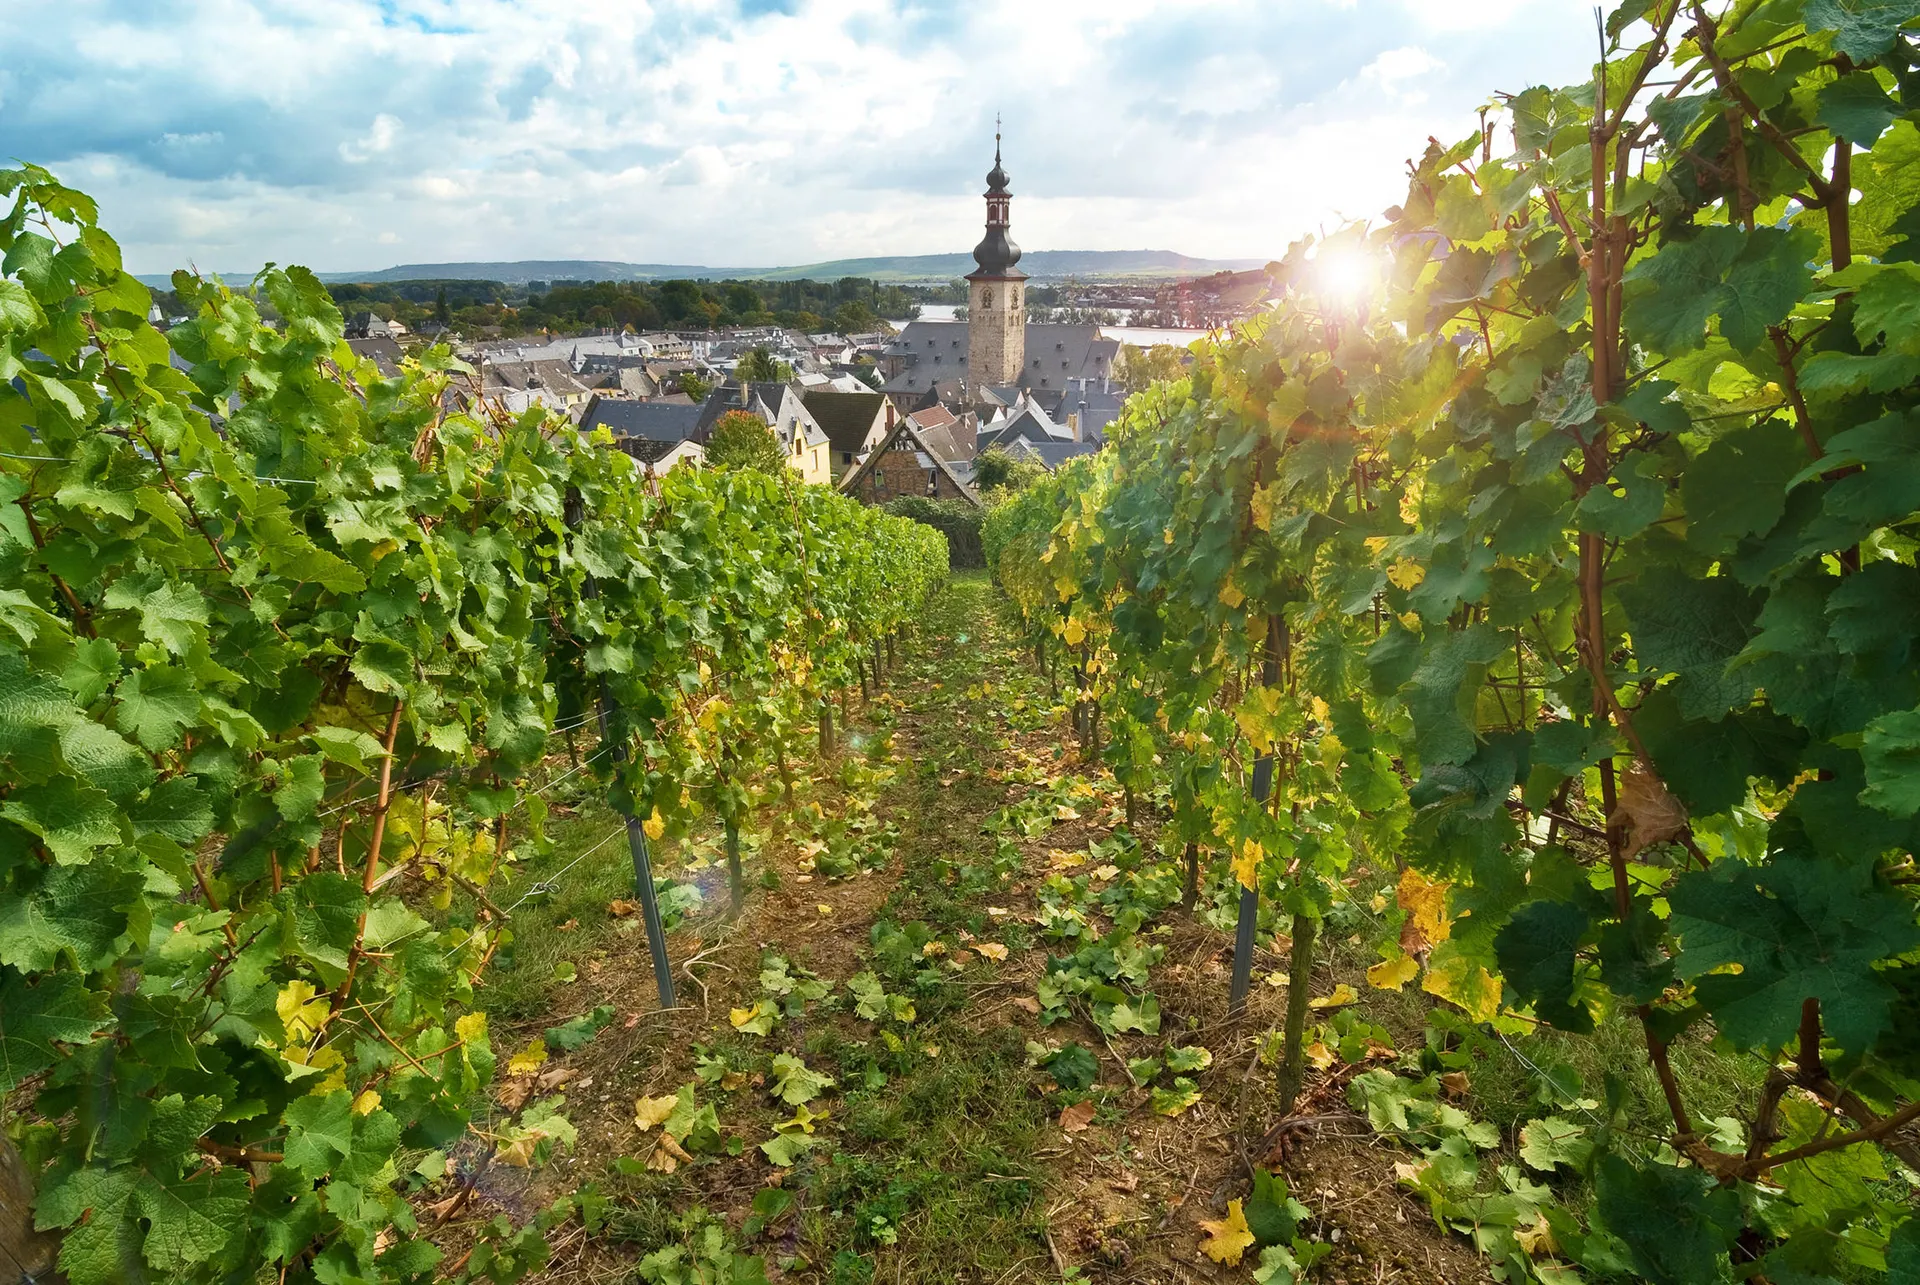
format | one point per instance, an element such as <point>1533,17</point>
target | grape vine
<point>282,646</point>
<point>1570,568</point>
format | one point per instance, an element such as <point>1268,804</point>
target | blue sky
<point>350,134</point>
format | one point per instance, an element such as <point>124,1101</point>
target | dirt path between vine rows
<point>940,1151</point>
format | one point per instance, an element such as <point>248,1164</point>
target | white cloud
<point>378,139</point>
<point>234,131</point>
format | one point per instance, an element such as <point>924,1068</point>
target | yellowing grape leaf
<point>1264,498</point>
<point>654,826</point>
<point>529,1059</point>
<point>1228,1238</point>
<point>648,1112</point>
<point>992,950</point>
<point>1075,633</point>
<point>1406,575</point>
<point>1246,864</point>
<point>1425,901</point>
<point>1319,1055</point>
<point>1458,980</point>
<point>367,1103</point>
<point>1343,995</point>
<point>1230,595</point>
<point>1392,974</point>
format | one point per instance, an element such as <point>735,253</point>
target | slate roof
<point>556,377</point>
<point>779,406</point>
<point>666,422</point>
<point>1051,454</point>
<point>1055,354</point>
<point>382,351</point>
<point>847,418</point>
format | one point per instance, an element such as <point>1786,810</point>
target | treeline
<point>851,304</point>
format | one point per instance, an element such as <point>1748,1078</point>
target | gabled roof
<point>1050,454</point>
<point>932,460</point>
<point>935,416</point>
<point>847,418</point>
<point>381,350</point>
<point>1031,425</point>
<point>668,422</point>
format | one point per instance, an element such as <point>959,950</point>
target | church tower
<point>996,294</point>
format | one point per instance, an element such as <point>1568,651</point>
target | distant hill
<point>1091,265</point>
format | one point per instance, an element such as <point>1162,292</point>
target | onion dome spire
<point>997,254</point>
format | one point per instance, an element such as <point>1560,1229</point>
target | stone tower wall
<point>996,331</point>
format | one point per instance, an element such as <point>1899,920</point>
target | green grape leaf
<point>1891,753</point>
<point>104,1247</point>
<point>575,1032</point>
<point>173,615</point>
<point>1737,486</point>
<point>1692,628</point>
<point>1862,29</point>
<point>176,808</point>
<point>319,1132</point>
<point>107,761</point>
<point>36,1018</point>
<point>1189,1058</point>
<point>1444,688</point>
<point>1273,1215</point>
<point>191,1220</point>
<point>155,704</point>
<point>1797,928</point>
<point>1750,280</point>
<point>869,997</point>
<point>794,1084</point>
<point>72,819</point>
<point>302,785</point>
<point>783,1150</point>
<point>1885,305</point>
<point>78,909</point>
<point>348,745</point>
<point>33,712</point>
<point>1855,108</point>
<point>1538,950</point>
<point>1554,1140</point>
<point>1072,1067</point>
<point>1676,1224</point>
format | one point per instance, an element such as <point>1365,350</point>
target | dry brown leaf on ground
<point>1077,1117</point>
<point>620,907</point>
<point>554,1077</point>
<point>1027,1004</point>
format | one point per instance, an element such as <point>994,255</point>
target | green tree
<point>996,470</point>
<point>761,367</point>
<point>695,387</point>
<point>741,440</point>
<point>441,312</point>
<point>853,317</point>
<point>1141,368</point>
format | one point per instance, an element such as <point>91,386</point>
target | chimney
<point>1073,423</point>
<point>889,414</point>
